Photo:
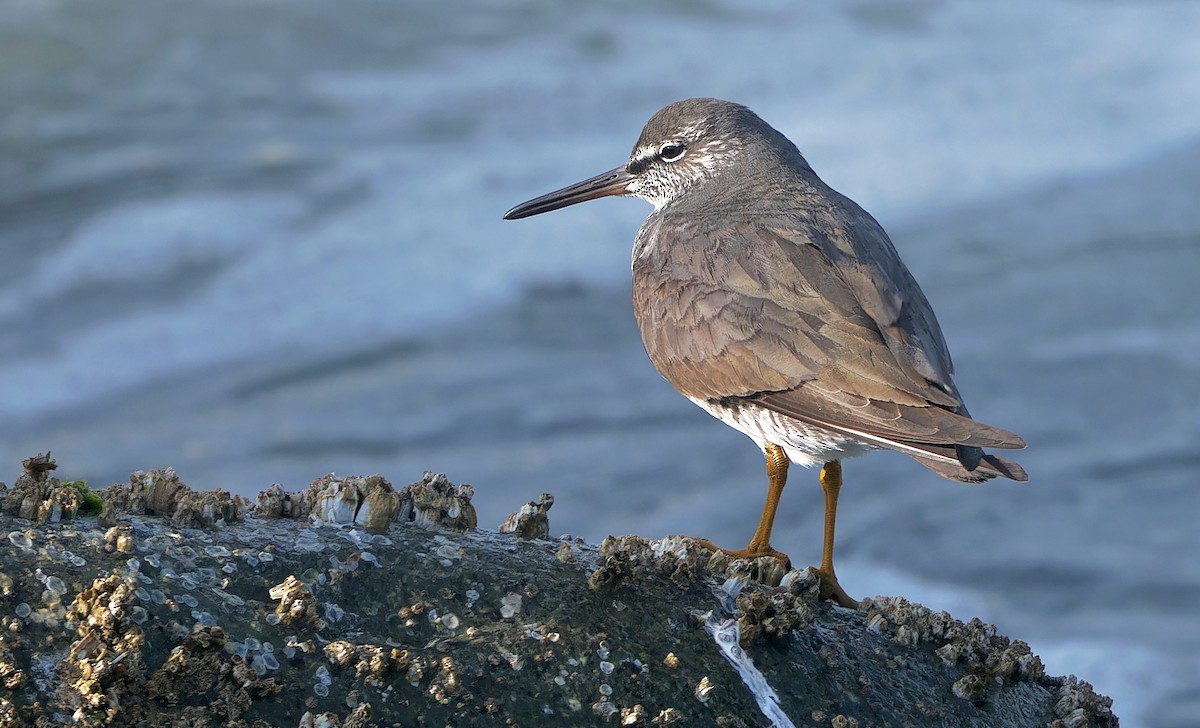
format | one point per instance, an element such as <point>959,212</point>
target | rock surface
<point>267,618</point>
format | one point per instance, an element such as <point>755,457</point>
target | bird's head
<point>685,144</point>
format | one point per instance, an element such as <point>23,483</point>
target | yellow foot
<point>831,589</point>
<point>746,553</point>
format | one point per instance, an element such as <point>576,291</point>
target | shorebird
<point>782,308</point>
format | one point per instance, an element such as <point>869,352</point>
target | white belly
<point>804,445</point>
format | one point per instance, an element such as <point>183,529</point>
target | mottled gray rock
<point>418,626</point>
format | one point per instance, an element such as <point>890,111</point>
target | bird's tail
<point>955,463</point>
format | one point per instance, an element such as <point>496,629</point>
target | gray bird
<point>782,308</point>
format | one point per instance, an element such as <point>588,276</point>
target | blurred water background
<point>259,241</point>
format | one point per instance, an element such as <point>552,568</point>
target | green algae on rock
<point>273,619</point>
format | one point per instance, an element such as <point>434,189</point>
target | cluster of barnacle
<point>173,569</point>
<point>119,538</point>
<point>49,615</point>
<point>297,603</point>
<point>53,590</point>
<point>680,558</point>
<point>373,663</point>
<point>162,493</point>
<point>12,677</point>
<point>203,665</point>
<point>446,684</point>
<point>370,502</point>
<point>106,661</point>
<point>52,553</point>
<point>772,614</point>
<point>341,569</point>
<point>1076,705</point>
<point>990,659</point>
<point>37,497</point>
<point>635,714</point>
<point>197,565</point>
<point>260,655</point>
<point>765,570</point>
<point>531,521</point>
<point>435,502</point>
<point>622,557</point>
<point>373,503</point>
<point>360,717</point>
<point>370,662</point>
<point>275,502</point>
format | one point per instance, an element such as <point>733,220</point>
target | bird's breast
<point>696,328</point>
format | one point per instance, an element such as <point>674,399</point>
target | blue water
<point>261,241</point>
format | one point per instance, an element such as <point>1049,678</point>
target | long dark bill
<point>612,182</point>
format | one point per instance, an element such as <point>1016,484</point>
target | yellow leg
<point>777,471</point>
<point>831,483</point>
<point>760,543</point>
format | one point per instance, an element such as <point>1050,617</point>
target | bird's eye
<point>671,152</point>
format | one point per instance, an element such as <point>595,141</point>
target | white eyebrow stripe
<point>644,154</point>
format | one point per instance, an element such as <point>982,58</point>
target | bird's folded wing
<point>752,308</point>
<point>887,423</point>
<point>814,319</point>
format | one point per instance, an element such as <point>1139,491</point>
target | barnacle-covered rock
<point>678,558</point>
<point>469,629</point>
<point>297,605</point>
<point>275,502</point>
<point>162,493</point>
<point>333,499</point>
<point>772,614</point>
<point>531,521</point>
<point>1076,704</point>
<point>210,682</point>
<point>359,717</point>
<point>161,490</point>
<point>106,661</point>
<point>370,502</point>
<point>435,502</point>
<point>204,510</point>
<point>368,661</point>
<point>991,660</point>
<point>122,500</point>
<point>38,497</point>
<point>119,538</point>
<point>802,582</point>
<point>379,503</point>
